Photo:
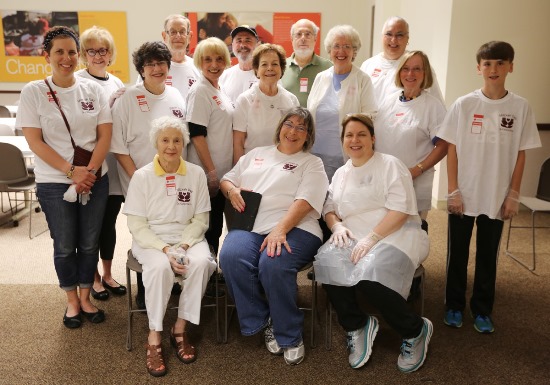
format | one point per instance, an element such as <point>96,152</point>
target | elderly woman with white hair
<point>168,207</point>
<point>340,90</point>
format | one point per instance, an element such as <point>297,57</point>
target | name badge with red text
<point>303,84</point>
<point>170,185</point>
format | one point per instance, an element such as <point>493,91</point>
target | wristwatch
<point>70,172</point>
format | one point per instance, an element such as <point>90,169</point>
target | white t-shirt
<point>133,113</point>
<point>168,201</point>
<point>406,130</point>
<point>181,76</point>
<point>281,179</point>
<point>382,73</point>
<point>211,108</point>
<point>488,135</point>
<point>258,115</point>
<point>85,106</point>
<point>235,81</point>
<point>361,197</point>
<point>109,87</point>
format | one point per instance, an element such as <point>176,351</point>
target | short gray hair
<point>164,123</point>
<point>344,30</point>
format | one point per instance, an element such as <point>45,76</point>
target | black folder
<point>245,220</point>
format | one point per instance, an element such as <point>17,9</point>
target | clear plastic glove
<point>364,245</point>
<point>510,207</point>
<point>213,183</point>
<point>341,235</point>
<point>70,195</point>
<point>115,95</point>
<point>178,260</point>
<point>455,205</point>
<point>84,198</point>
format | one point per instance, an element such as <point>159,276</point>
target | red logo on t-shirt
<point>184,196</point>
<point>87,106</point>
<point>376,72</point>
<point>191,81</point>
<point>217,100</point>
<point>290,166</point>
<point>168,80</point>
<point>177,112</point>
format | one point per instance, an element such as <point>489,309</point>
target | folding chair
<point>133,265</point>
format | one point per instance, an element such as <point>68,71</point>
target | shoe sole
<point>370,335</point>
<point>429,333</point>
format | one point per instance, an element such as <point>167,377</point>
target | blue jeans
<point>75,230</point>
<point>264,287</point>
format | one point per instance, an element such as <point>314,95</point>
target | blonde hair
<point>100,35</point>
<point>211,45</point>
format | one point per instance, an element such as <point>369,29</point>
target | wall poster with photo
<point>271,27</point>
<point>21,48</point>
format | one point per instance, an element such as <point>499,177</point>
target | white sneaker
<point>296,354</point>
<point>270,341</point>
<point>360,343</point>
<point>414,350</point>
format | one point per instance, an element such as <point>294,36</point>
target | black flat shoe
<point>102,295</point>
<point>73,322</point>
<point>95,318</point>
<point>116,290</point>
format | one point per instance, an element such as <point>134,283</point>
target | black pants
<point>391,305</point>
<point>215,228</point>
<point>488,236</point>
<point>107,236</point>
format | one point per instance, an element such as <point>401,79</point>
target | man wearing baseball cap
<point>240,78</point>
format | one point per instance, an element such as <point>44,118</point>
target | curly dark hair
<point>147,52</point>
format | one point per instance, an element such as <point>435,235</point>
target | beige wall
<point>449,31</point>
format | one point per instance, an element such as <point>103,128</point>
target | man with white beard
<point>240,78</point>
<point>304,64</point>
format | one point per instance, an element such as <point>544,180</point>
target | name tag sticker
<point>303,84</point>
<point>170,185</point>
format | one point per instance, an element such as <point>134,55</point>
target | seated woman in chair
<point>167,207</point>
<point>372,196</point>
<point>261,266</point>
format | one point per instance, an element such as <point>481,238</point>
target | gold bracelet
<point>419,165</point>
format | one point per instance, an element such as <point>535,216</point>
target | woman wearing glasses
<point>382,67</point>
<point>407,123</point>
<point>97,52</point>
<point>260,266</point>
<point>134,111</point>
<point>74,226</point>
<point>336,92</point>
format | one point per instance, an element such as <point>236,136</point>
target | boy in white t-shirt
<point>488,131</point>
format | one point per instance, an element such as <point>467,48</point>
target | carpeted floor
<point>38,349</point>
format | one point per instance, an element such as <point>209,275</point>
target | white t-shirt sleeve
<point>314,184</point>
<point>28,115</point>
<point>136,201</point>
<point>399,189</point>
<point>199,108</point>
<point>121,114</point>
<point>240,116</point>
<point>448,128</point>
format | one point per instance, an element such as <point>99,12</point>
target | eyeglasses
<point>153,65</point>
<point>93,52</point>
<point>398,35</point>
<point>345,47</point>
<point>306,35</point>
<point>414,70</point>
<point>288,124</point>
<point>174,33</point>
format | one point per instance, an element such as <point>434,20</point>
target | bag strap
<point>60,110</point>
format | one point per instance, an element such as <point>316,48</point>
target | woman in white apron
<point>375,247</point>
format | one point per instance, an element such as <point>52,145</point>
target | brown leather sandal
<point>183,348</point>
<point>155,360</point>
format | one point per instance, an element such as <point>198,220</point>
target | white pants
<point>158,279</point>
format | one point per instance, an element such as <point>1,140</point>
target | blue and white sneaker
<point>414,350</point>
<point>453,318</point>
<point>483,324</point>
<point>360,343</point>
